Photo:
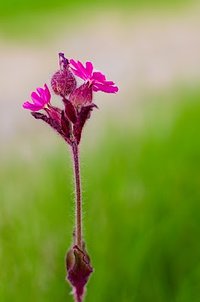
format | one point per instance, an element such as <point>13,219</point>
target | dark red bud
<point>79,270</point>
<point>63,82</point>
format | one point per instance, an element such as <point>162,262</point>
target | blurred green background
<point>140,152</point>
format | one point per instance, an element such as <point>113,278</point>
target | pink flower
<point>40,99</point>
<point>95,78</point>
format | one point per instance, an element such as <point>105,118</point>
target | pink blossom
<point>40,99</point>
<point>95,78</point>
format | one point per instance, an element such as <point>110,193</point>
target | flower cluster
<point>77,100</point>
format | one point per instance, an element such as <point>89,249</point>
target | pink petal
<point>109,83</point>
<point>32,107</point>
<point>89,68</point>
<point>44,95</point>
<point>47,93</point>
<point>78,69</point>
<point>73,63</point>
<point>84,70</point>
<point>78,73</point>
<point>36,98</point>
<point>105,88</point>
<point>40,91</point>
<point>98,76</point>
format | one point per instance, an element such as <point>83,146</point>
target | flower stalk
<point>78,195</point>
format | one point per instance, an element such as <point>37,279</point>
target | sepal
<point>52,122</point>
<point>83,116</point>
<point>70,111</point>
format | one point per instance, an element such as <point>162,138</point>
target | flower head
<point>63,81</point>
<point>95,78</point>
<point>76,100</point>
<point>40,99</point>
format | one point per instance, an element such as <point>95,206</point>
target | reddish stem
<point>77,180</point>
<point>78,299</point>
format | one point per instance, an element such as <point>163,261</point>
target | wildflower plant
<point>68,121</point>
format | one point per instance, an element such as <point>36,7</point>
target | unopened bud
<point>79,270</point>
<point>63,82</point>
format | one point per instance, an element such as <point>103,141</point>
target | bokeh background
<point>140,151</point>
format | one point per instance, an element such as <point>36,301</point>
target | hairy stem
<point>77,180</point>
<point>78,299</point>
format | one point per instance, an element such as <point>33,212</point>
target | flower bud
<point>79,270</point>
<point>63,82</point>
